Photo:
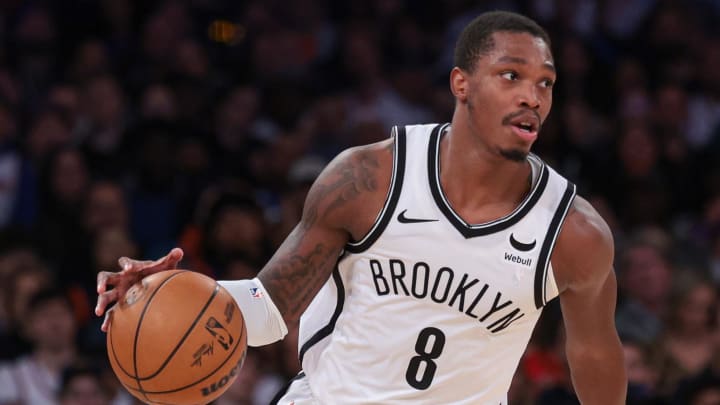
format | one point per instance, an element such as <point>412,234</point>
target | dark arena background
<point>128,127</point>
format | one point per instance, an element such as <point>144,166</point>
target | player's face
<point>509,93</point>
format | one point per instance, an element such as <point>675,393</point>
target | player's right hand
<point>131,272</point>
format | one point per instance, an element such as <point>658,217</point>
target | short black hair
<point>476,39</point>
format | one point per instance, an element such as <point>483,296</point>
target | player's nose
<point>528,97</point>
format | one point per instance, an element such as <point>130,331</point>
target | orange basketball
<point>177,337</point>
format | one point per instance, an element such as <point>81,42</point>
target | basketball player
<point>421,263</point>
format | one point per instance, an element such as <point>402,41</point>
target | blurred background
<point>128,127</point>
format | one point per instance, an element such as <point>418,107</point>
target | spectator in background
<point>106,208</point>
<point>158,102</point>
<point>689,341</point>
<point>373,99</point>
<point>254,385</point>
<point>64,183</point>
<point>65,98</point>
<point>679,157</point>
<point>35,51</point>
<point>90,60</point>
<point>644,279</point>
<point>103,120</point>
<point>229,232</point>
<point>49,130</point>
<point>50,326</point>
<point>22,275</point>
<point>707,394</point>
<point>326,129</point>
<point>701,389</point>
<point>161,31</point>
<point>637,189</point>
<point>300,177</point>
<point>623,18</point>
<point>193,81</point>
<point>82,385</point>
<point>105,235</point>
<point>107,245</point>
<point>235,228</point>
<point>642,373</point>
<point>544,365</point>
<point>153,193</point>
<point>17,177</point>
<point>236,122</point>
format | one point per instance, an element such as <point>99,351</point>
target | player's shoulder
<point>376,150</point>
<point>365,162</point>
<point>585,248</point>
<point>352,188</point>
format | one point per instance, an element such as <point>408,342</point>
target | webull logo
<point>219,384</point>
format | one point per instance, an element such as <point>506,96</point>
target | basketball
<point>177,337</point>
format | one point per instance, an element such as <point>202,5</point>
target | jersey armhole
<point>551,288</point>
<point>543,270</point>
<point>398,172</point>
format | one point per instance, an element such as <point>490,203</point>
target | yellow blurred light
<point>226,32</point>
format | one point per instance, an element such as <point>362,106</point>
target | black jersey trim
<point>393,195</point>
<point>326,330</point>
<point>468,230</point>
<point>541,270</point>
<point>276,399</point>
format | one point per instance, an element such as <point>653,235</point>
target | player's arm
<point>342,203</point>
<point>583,267</point>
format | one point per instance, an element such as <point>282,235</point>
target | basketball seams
<point>156,388</point>
<point>111,333</point>
<point>182,340</point>
<point>117,361</point>
<point>137,329</point>
<point>243,332</point>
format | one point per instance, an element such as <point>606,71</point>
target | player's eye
<point>510,75</point>
<point>547,83</point>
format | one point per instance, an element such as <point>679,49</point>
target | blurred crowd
<point>128,127</point>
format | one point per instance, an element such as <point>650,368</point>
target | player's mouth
<point>525,130</point>
<point>525,124</point>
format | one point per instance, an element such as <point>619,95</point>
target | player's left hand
<point>132,272</point>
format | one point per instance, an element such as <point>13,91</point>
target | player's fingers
<point>105,299</point>
<point>105,278</point>
<point>106,321</point>
<point>167,262</point>
<point>147,267</point>
<point>174,257</point>
<point>127,264</point>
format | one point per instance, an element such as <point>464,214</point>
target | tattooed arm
<point>342,204</point>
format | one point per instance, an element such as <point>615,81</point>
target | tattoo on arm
<point>307,257</point>
<point>294,280</point>
<point>349,179</point>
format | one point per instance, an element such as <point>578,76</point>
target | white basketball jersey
<point>428,309</point>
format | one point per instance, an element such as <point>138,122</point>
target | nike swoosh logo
<point>523,247</point>
<point>405,220</point>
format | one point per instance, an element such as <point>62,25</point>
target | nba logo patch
<point>256,293</point>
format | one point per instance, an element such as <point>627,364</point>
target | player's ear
<point>459,84</point>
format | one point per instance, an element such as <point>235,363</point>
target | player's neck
<point>473,177</point>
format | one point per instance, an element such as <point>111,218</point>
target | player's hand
<point>131,272</point>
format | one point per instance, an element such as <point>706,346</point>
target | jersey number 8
<point>425,356</point>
